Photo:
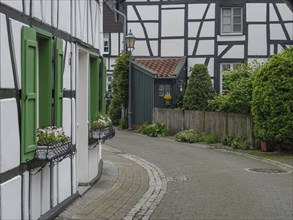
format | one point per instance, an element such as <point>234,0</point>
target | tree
<point>272,100</point>
<point>119,86</point>
<point>199,89</point>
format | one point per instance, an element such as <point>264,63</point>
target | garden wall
<point>217,123</point>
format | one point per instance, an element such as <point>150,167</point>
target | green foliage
<point>179,102</point>
<point>101,121</point>
<point>123,123</point>
<point>272,99</point>
<point>119,86</point>
<point>199,89</point>
<point>210,139</point>
<point>190,136</point>
<point>154,130</point>
<point>50,136</point>
<point>239,85</point>
<point>236,142</point>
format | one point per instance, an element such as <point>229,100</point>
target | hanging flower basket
<point>167,99</point>
<point>53,145</point>
<point>102,128</point>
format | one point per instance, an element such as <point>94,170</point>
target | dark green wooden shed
<point>151,79</point>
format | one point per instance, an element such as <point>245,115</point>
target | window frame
<point>106,39</point>
<point>234,65</point>
<point>165,90</point>
<point>232,32</point>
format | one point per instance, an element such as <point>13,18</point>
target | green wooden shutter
<point>29,59</point>
<point>103,91</point>
<point>94,87</point>
<point>58,83</point>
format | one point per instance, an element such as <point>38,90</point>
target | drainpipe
<point>124,27</point>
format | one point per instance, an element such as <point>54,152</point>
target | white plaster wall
<point>140,49</point>
<point>73,66</point>
<point>112,63</point>
<point>55,185</point>
<point>285,12</point>
<point>66,116</point>
<point>171,48</point>
<point>9,135</point>
<point>89,24</point>
<point>205,47</point>
<point>257,43</point>
<point>6,74</point>
<point>81,19</point>
<point>16,29</point>
<point>231,38</point>
<point>237,51</point>
<point>64,16</point>
<point>148,12</point>
<point>211,12</point>
<point>35,193</point>
<point>64,180</point>
<point>256,12</point>
<point>191,44</point>
<point>273,15</point>
<point>271,49</point>
<point>13,3</point>
<point>121,42</point>
<point>131,15</point>
<point>45,189</point>
<point>173,6</point>
<point>152,29</point>
<point>73,118</point>
<point>193,28</point>
<point>135,28</point>
<point>172,25</point>
<point>277,32</point>
<point>196,11</point>
<point>221,48</point>
<point>46,12</point>
<point>54,13</point>
<point>27,7</point>
<point>74,177</point>
<point>289,27</point>
<point>25,187</point>
<point>211,67</point>
<point>37,9</point>
<point>10,206</point>
<point>114,43</point>
<point>66,74</point>
<point>154,46</point>
<point>208,29</point>
<point>93,163</point>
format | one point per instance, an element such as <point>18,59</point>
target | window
<point>106,43</point>
<point>224,68</point>
<point>164,89</point>
<point>231,20</point>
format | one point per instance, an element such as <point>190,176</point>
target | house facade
<point>52,73</point>
<point>220,34</point>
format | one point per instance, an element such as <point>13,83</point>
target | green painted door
<point>29,71</point>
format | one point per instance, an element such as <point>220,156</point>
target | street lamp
<point>129,41</point>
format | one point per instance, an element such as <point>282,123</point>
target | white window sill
<point>231,37</point>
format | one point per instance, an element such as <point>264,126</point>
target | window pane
<point>226,11</point>
<point>237,11</point>
<point>237,20</point>
<point>226,28</point>
<point>237,28</point>
<point>161,90</point>
<point>226,20</point>
<point>167,89</point>
<point>225,66</point>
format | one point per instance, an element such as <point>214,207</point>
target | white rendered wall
<point>155,47</point>
<point>205,47</point>
<point>13,4</point>
<point>191,44</point>
<point>141,49</point>
<point>172,25</point>
<point>152,30</point>
<point>93,163</point>
<point>64,180</point>
<point>172,48</point>
<point>67,66</point>
<point>66,116</point>
<point>257,43</point>
<point>6,75</point>
<point>25,202</point>
<point>10,200</point>
<point>276,32</point>
<point>237,51</point>
<point>114,43</point>
<point>45,189</point>
<point>64,16</point>
<point>35,194</point>
<point>148,12</point>
<point>37,9</point>
<point>256,12</point>
<point>9,135</point>
<point>196,11</point>
<point>208,29</point>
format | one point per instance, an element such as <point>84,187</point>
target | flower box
<point>103,133</point>
<point>55,152</point>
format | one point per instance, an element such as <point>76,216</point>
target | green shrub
<point>154,130</point>
<point>227,140</point>
<point>210,139</point>
<point>199,89</point>
<point>272,100</point>
<point>123,123</point>
<point>119,86</point>
<point>190,136</point>
<point>220,103</point>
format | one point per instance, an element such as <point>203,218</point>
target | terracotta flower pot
<point>266,146</point>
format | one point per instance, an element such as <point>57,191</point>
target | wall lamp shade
<point>130,40</point>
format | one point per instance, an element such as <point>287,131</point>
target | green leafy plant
<point>154,130</point>
<point>272,100</point>
<point>210,139</point>
<point>227,140</point>
<point>123,123</point>
<point>190,136</point>
<point>119,87</point>
<point>101,121</point>
<point>50,136</point>
<point>236,142</point>
<point>199,89</point>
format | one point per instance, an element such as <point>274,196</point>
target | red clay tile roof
<point>160,67</point>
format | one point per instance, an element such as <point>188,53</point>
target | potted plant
<point>53,144</point>
<point>167,99</point>
<point>102,128</point>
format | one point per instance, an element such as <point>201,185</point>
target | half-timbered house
<point>51,73</point>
